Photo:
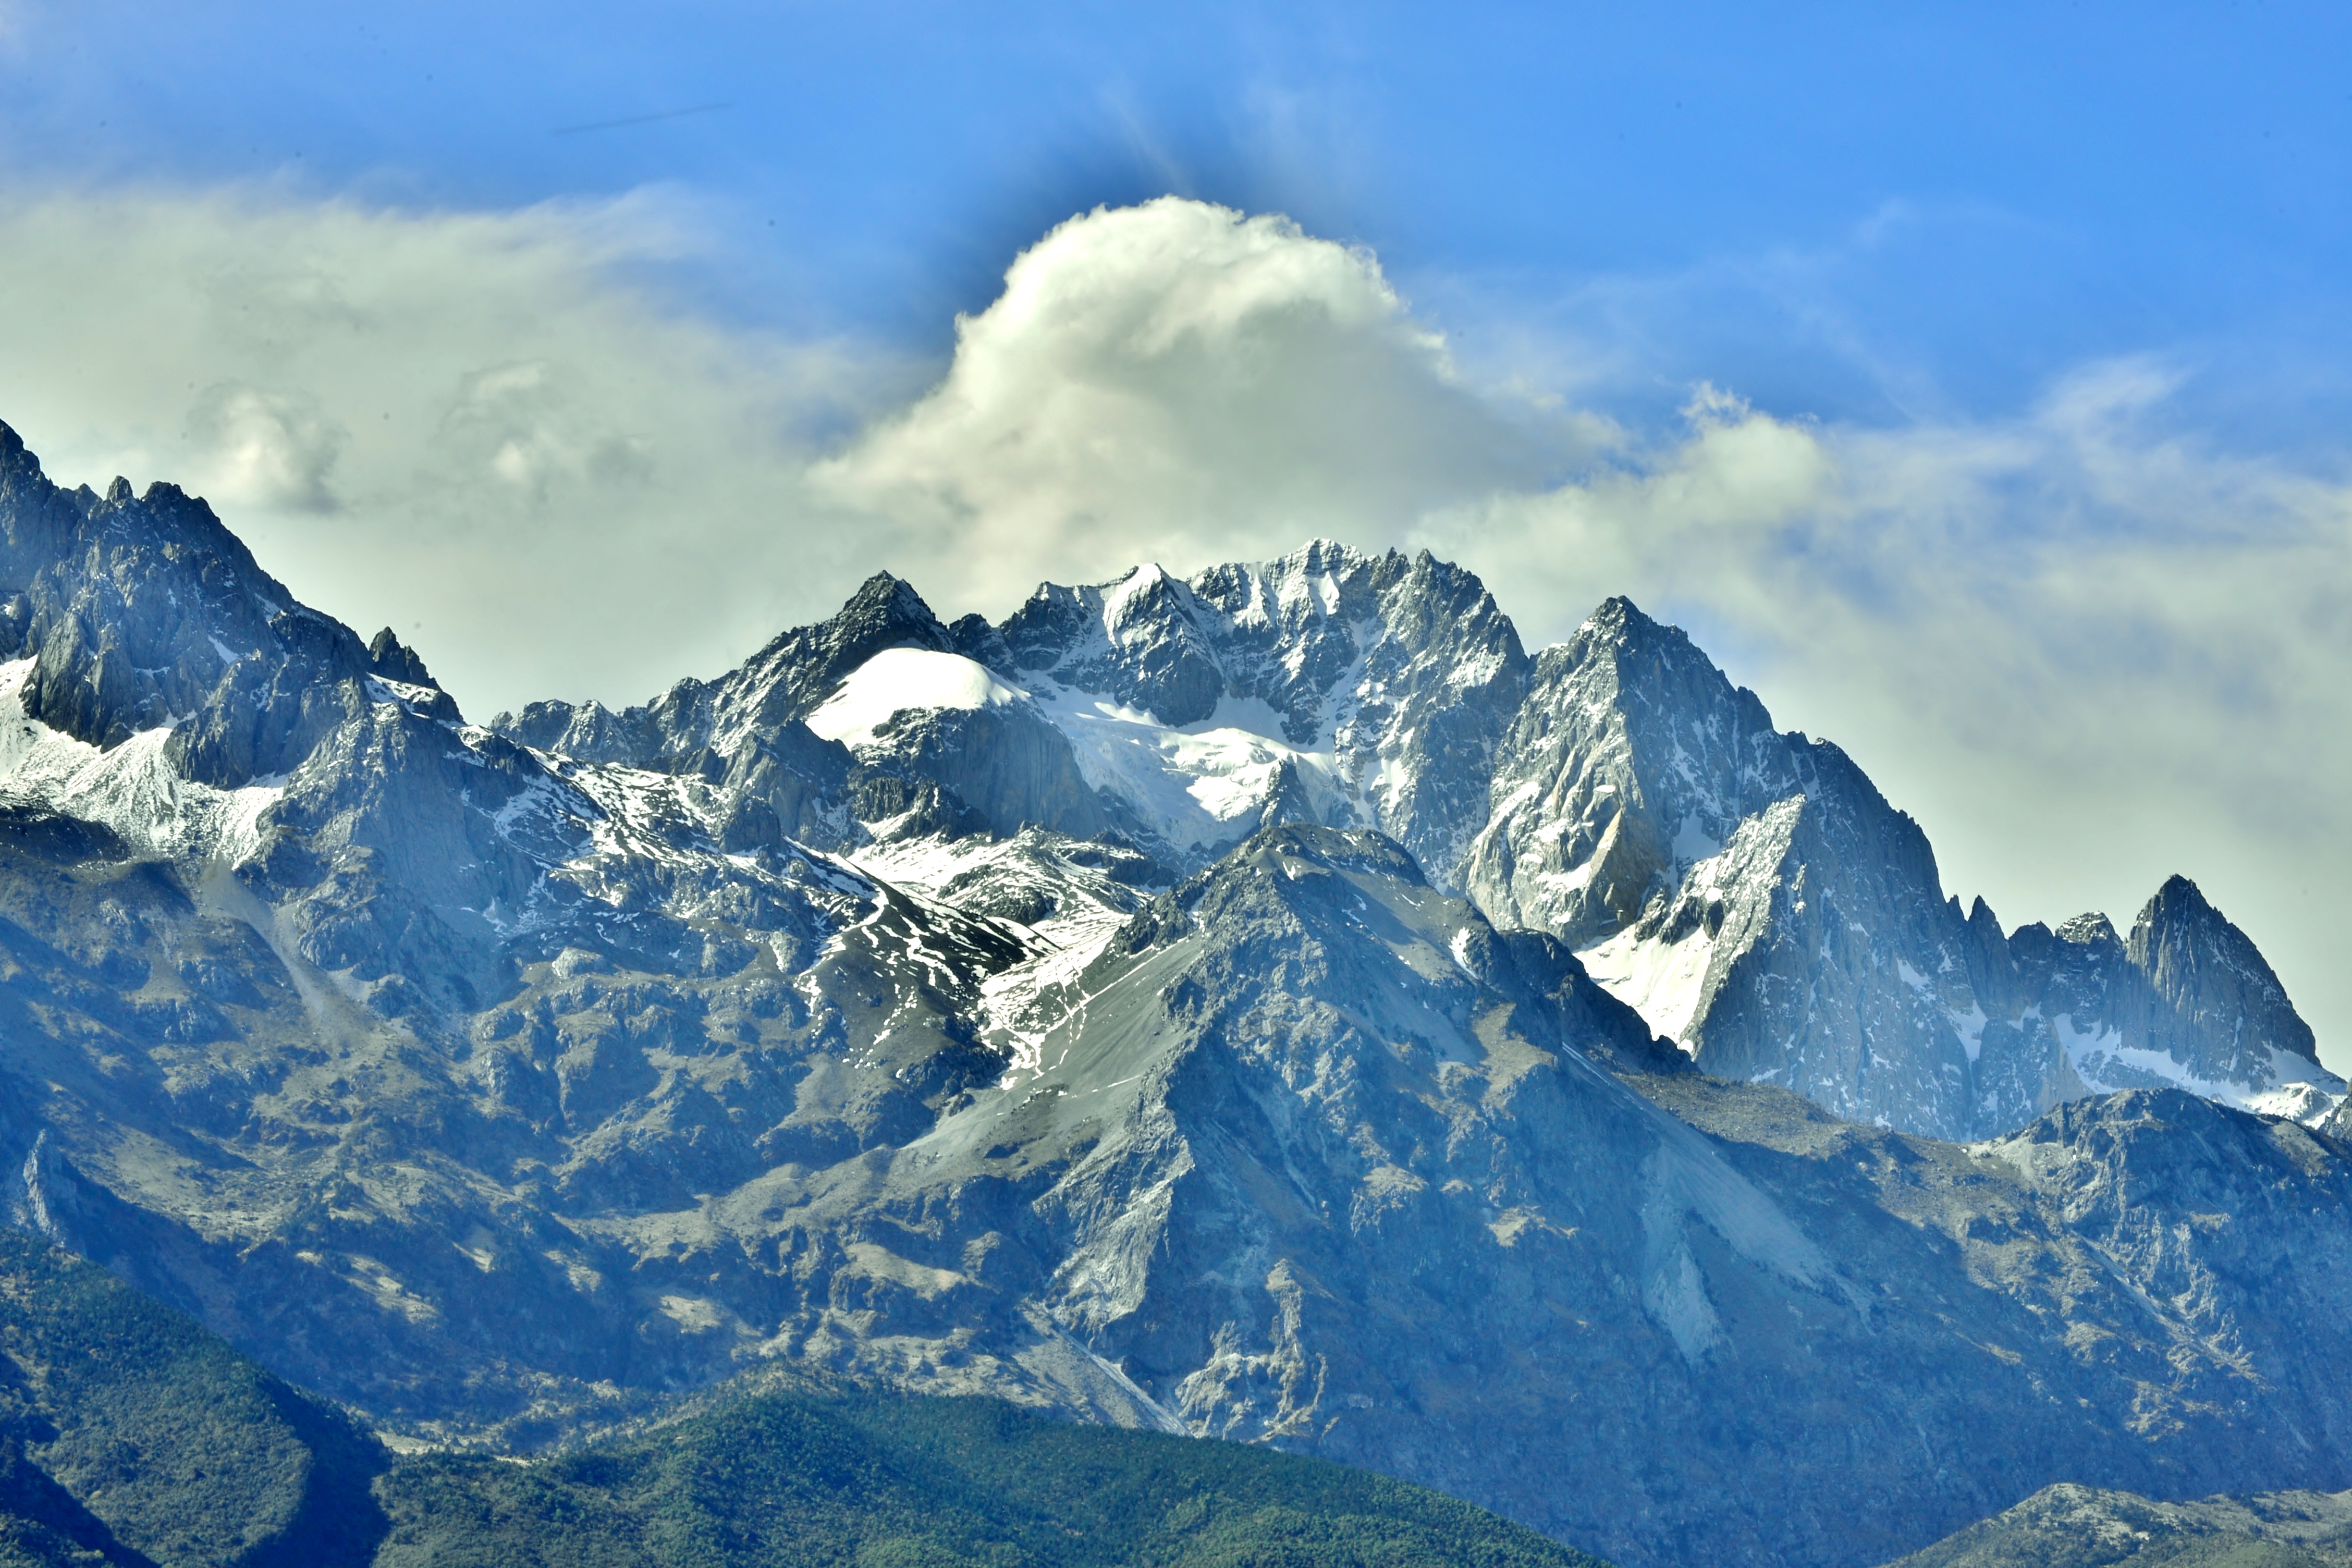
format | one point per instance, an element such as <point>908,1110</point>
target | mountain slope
<point>134,1435</point>
<point>1750,892</point>
<point>1759,899</point>
<point>1308,1153</point>
<point>843,1477</point>
<point>135,1439</point>
<point>1228,1070</point>
<point>2081,1527</point>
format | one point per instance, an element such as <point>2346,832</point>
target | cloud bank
<point>2085,647</point>
<point>485,429</point>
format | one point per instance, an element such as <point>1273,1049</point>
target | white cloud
<point>474,421</point>
<point>267,448</point>
<point>1177,380</point>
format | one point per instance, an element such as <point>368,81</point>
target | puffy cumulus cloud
<point>487,423</point>
<point>474,421</point>
<point>2087,649</point>
<point>1177,380</point>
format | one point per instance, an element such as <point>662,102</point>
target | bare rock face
<point>1631,760</point>
<point>1267,1006</point>
<point>2210,985</point>
<point>1759,901</point>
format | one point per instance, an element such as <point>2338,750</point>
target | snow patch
<point>1088,903</point>
<point>1970,1027</point>
<point>898,679</point>
<point>1251,715</point>
<point>2105,1065</point>
<point>132,789</point>
<point>1200,786</point>
<point>1460,948</point>
<point>1665,982</point>
<point>405,693</point>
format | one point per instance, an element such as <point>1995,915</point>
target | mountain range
<point>1270,1005</point>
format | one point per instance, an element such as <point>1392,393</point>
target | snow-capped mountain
<point>1760,903</point>
<point>1328,686</point>
<point>1164,1006</point>
<point>1749,892</point>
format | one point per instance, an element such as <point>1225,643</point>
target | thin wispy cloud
<point>626,121</point>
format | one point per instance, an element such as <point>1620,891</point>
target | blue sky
<point>1971,381</point>
<point>1856,211</point>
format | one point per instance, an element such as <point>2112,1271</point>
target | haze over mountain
<point>1271,1005</point>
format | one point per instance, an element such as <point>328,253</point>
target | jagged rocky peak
<point>1760,900</point>
<point>1750,891</point>
<point>1283,632</point>
<point>391,660</point>
<point>2213,976</point>
<point>1326,686</point>
<point>2090,928</point>
<point>137,612</point>
<point>1632,759</point>
<point>2185,1000</point>
<point>746,732</point>
<point>1141,638</point>
<point>1646,811</point>
<point>803,667</point>
<point>768,694</point>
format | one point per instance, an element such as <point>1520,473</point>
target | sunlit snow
<point>899,679</point>
<point>1198,785</point>
<point>2103,1061</point>
<point>132,789</point>
<point>1664,982</point>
